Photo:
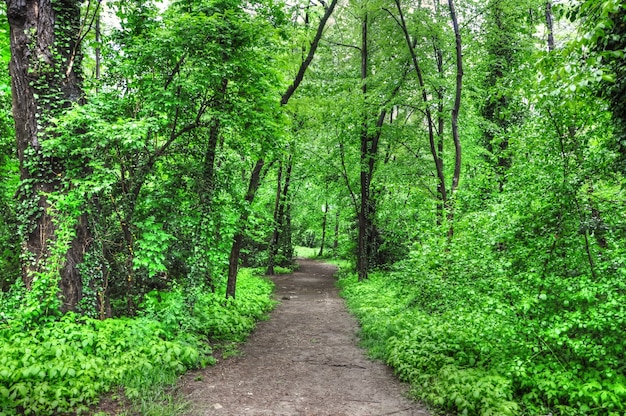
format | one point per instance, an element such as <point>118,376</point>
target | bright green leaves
<point>151,247</point>
<point>64,366</point>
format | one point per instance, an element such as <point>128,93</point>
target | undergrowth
<point>64,365</point>
<point>490,346</point>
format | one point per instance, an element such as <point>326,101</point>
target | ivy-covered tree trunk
<point>45,80</point>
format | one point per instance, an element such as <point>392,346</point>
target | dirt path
<point>303,361</point>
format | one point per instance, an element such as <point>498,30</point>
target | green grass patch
<point>306,252</point>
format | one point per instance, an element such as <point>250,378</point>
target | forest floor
<point>303,361</point>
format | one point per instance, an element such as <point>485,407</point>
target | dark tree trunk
<point>279,218</point>
<point>45,80</point>
<point>336,240</point>
<point>440,130</point>
<point>233,259</point>
<point>324,221</point>
<point>549,25</point>
<point>309,58</point>
<point>455,114</point>
<point>363,214</point>
<point>411,44</point>
<point>238,240</point>
<point>276,232</point>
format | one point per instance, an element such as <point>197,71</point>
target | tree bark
<point>441,181</point>
<point>45,80</point>
<point>235,251</point>
<point>455,113</point>
<point>363,216</point>
<point>324,221</point>
<point>309,58</point>
<point>549,26</point>
<point>281,210</point>
<point>336,240</point>
<point>457,99</point>
<point>271,250</point>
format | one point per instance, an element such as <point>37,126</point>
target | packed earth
<point>303,361</point>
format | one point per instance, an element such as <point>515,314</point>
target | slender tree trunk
<point>441,187</point>
<point>441,181</point>
<point>282,215</point>
<point>235,251</point>
<point>363,214</point>
<point>275,234</point>
<point>238,240</point>
<point>455,111</point>
<point>45,80</point>
<point>549,25</point>
<point>98,49</point>
<point>309,58</point>
<point>336,240</point>
<point>324,221</point>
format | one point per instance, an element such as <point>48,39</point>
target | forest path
<point>303,361</point>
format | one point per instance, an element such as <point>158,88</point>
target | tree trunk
<point>363,215</point>
<point>45,80</point>
<point>236,248</point>
<point>455,111</point>
<point>441,181</point>
<point>275,233</point>
<point>279,219</point>
<point>324,218</point>
<point>336,240</point>
<point>549,26</point>
<point>441,187</point>
<point>235,251</point>
<point>309,58</point>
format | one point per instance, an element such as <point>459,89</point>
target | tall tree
<point>253,185</point>
<point>46,79</point>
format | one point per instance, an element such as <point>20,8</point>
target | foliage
<point>65,365</point>
<point>487,356</point>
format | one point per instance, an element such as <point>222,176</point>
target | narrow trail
<point>303,361</point>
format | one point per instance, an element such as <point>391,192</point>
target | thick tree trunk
<point>45,80</point>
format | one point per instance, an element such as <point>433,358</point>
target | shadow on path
<point>303,361</point>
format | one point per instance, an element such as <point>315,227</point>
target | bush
<point>488,346</point>
<point>65,365</point>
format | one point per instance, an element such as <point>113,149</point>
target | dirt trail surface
<point>302,361</point>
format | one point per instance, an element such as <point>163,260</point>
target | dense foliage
<point>65,365</point>
<point>467,156</point>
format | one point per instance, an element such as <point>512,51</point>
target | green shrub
<point>487,346</point>
<point>65,365</point>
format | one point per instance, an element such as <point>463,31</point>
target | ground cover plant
<point>493,345</point>
<point>65,364</point>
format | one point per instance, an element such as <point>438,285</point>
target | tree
<point>253,185</point>
<point>46,80</point>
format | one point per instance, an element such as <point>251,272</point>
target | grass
<point>307,252</point>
